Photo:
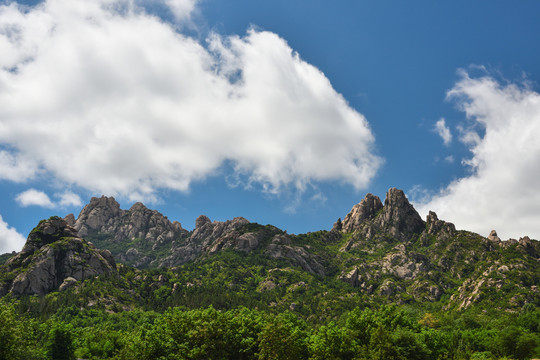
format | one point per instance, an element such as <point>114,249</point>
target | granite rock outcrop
<point>54,257</point>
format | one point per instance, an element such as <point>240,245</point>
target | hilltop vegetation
<point>382,284</point>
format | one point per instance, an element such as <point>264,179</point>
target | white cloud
<point>449,159</point>
<point>118,102</point>
<point>10,239</point>
<point>502,190</point>
<point>443,131</point>
<point>33,197</point>
<point>15,168</point>
<point>181,9</point>
<point>68,199</point>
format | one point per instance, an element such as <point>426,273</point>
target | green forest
<point>422,292</point>
<point>232,307</point>
<point>382,332</point>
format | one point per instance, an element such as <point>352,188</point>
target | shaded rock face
<point>211,237</point>
<point>102,217</point>
<point>54,255</point>
<point>366,209</point>
<point>435,226</point>
<point>396,219</point>
<point>281,248</point>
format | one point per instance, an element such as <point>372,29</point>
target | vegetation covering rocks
<point>382,284</point>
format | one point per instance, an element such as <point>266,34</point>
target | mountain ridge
<point>380,250</point>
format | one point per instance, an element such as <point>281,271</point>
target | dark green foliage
<point>237,305</point>
<point>387,332</point>
<point>284,337</point>
<point>5,257</point>
<point>60,343</point>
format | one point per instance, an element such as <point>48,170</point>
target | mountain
<point>380,252</point>
<point>134,236</point>
<point>53,258</point>
<point>145,238</point>
<point>390,251</point>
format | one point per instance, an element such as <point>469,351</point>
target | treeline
<point>388,332</point>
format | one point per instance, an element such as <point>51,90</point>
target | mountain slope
<point>379,253</point>
<point>53,258</point>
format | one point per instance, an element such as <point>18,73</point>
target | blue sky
<point>284,112</point>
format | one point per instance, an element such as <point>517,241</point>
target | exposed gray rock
<point>280,248</point>
<point>366,209</point>
<point>493,236</point>
<point>398,217</point>
<point>67,283</point>
<point>527,244</point>
<point>70,219</point>
<point>435,226</point>
<point>52,254</point>
<point>373,223</point>
<point>211,237</point>
<point>103,217</point>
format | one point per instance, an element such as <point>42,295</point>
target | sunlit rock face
<point>53,254</point>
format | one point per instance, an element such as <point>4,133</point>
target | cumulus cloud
<point>443,131</point>
<point>33,197</point>
<point>501,191</point>
<point>68,199</point>
<point>181,9</point>
<point>15,168</point>
<point>118,102</point>
<point>10,239</point>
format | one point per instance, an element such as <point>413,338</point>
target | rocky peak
<point>366,209</point>
<point>52,254</point>
<point>97,214</point>
<point>142,230</point>
<point>103,215</point>
<point>398,217</point>
<point>48,232</point>
<point>201,221</point>
<point>493,236</point>
<point>70,219</point>
<point>435,226</point>
<point>138,207</point>
<point>529,246</point>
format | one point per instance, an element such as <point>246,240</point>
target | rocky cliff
<point>382,250</point>
<point>389,251</point>
<point>145,238</point>
<point>53,258</point>
<point>133,235</point>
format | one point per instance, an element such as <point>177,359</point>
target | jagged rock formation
<point>281,248</point>
<point>210,237</point>
<point>103,215</point>
<point>393,253</point>
<point>139,236</point>
<point>54,257</point>
<point>382,250</point>
<point>365,210</point>
<point>371,221</point>
<point>102,221</point>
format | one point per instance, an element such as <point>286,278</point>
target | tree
<point>60,343</point>
<point>283,338</point>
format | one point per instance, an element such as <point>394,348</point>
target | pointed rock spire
<point>96,214</point>
<point>398,217</point>
<point>366,209</point>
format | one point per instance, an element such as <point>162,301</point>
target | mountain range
<point>379,252</point>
